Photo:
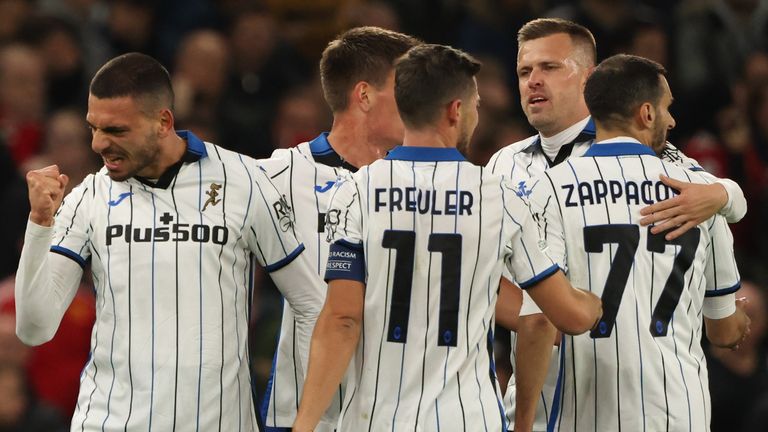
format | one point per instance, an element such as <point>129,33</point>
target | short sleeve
<point>271,236</point>
<point>674,156</point>
<point>719,307</point>
<point>722,274</point>
<point>526,260</point>
<point>736,206</point>
<point>343,225</point>
<point>71,236</point>
<point>546,213</point>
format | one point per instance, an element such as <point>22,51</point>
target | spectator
<point>12,15</point>
<point>198,89</point>
<point>67,143</point>
<point>19,411</point>
<point>712,43</point>
<point>264,69</point>
<point>22,100</point>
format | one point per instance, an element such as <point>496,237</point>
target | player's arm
<point>726,322</point>
<point>508,304</point>
<point>695,203</point>
<point>333,343</point>
<point>46,282</point>
<point>729,331</point>
<point>571,310</point>
<point>338,329</point>
<point>533,352</point>
<point>272,238</point>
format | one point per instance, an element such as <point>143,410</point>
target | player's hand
<point>46,190</point>
<point>741,304</point>
<point>694,204</point>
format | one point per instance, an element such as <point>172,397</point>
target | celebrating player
<point>358,78</point>
<point>555,58</point>
<point>419,241</point>
<point>642,367</point>
<point>169,225</point>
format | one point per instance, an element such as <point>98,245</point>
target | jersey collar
<point>586,134</point>
<point>425,154</point>
<point>323,153</point>
<point>320,145</point>
<point>195,151</point>
<point>195,146</point>
<point>618,147</point>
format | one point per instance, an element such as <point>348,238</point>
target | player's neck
<point>429,137</point>
<point>610,133</point>
<point>172,149</point>
<point>352,143</point>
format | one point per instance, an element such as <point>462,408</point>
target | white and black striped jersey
<point>642,367</point>
<point>428,233</point>
<point>305,175</point>
<point>172,269</point>
<point>525,159</point>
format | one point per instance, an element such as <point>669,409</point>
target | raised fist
<point>46,190</point>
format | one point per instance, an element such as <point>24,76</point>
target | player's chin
<point>119,176</point>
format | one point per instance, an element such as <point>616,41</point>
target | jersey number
<point>449,245</point>
<point>627,237</point>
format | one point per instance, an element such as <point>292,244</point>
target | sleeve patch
<point>345,261</point>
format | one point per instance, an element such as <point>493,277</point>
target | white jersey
<point>525,159</point>
<point>642,367</point>
<point>428,233</point>
<point>305,175</point>
<point>172,265</point>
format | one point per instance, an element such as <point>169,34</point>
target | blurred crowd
<point>245,77</point>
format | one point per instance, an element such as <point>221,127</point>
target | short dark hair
<point>543,27</point>
<point>619,85</point>
<point>428,77</point>
<point>360,54</point>
<point>134,75</point>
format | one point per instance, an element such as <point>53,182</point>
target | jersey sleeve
<point>722,275</point>
<point>72,230</point>
<point>719,307</point>
<point>545,211</point>
<point>674,156</point>
<point>736,207</point>
<point>277,167</point>
<point>343,225</point>
<point>47,281</point>
<point>270,234</point>
<point>526,259</point>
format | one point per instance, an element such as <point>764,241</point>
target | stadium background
<point>245,75</point>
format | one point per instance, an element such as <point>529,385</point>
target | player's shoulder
<point>302,149</point>
<point>503,158</point>
<point>675,156</point>
<point>684,172</point>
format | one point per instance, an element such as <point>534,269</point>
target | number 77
<point>627,237</point>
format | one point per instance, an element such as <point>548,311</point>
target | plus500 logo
<point>175,233</point>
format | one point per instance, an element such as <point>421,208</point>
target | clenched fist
<point>46,190</point>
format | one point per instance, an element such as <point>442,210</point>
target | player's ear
<point>166,122</point>
<point>362,96</point>
<point>646,115</point>
<point>453,111</point>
